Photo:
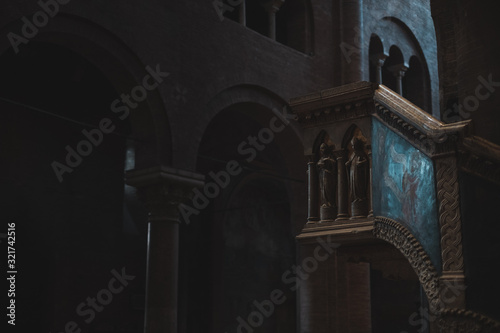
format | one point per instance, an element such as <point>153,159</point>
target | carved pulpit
<point>382,185</point>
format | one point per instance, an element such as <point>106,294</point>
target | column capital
<point>398,70</point>
<point>161,189</point>
<point>378,59</point>
<point>275,5</point>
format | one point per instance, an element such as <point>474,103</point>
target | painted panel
<point>404,188</point>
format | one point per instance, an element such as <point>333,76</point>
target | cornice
<point>336,104</point>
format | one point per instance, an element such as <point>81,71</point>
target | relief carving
<point>449,214</point>
<point>397,235</point>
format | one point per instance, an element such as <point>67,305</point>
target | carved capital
<point>398,70</point>
<point>378,59</point>
<point>161,189</point>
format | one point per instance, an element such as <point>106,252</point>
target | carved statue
<point>358,169</point>
<point>327,181</point>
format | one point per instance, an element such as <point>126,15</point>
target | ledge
<point>163,174</point>
<point>345,231</point>
<point>416,117</point>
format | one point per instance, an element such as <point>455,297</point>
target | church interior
<point>267,166</point>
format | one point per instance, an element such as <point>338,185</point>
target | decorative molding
<point>416,117</point>
<point>397,235</point>
<point>481,158</point>
<point>449,214</point>
<point>344,232</point>
<point>161,189</point>
<point>350,101</point>
<point>362,99</point>
<point>466,321</point>
<point>422,130</point>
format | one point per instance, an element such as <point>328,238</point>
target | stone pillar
<point>271,12</point>
<point>370,186</point>
<point>162,189</point>
<point>312,191</point>
<point>378,60</point>
<point>352,41</point>
<point>242,13</point>
<point>272,23</point>
<point>399,72</point>
<point>342,213</point>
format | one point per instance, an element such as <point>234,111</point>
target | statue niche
<point>358,170</point>
<point>327,167</point>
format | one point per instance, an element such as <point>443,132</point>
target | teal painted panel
<point>404,188</point>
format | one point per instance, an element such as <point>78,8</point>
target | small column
<point>342,213</point>
<point>312,191</point>
<point>370,186</point>
<point>271,12</point>
<point>378,60</point>
<point>162,189</point>
<point>242,13</point>
<point>399,72</point>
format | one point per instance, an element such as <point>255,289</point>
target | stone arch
<point>351,132</point>
<point>416,84</point>
<point>401,238</point>
<point>392,65</point>
<point>376,58</point>
<point>122,67</point>
<point>322,137</point>
<point>394,32</point>
<point>89,208</point>
<point>267,181</point>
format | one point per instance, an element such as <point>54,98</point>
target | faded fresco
<point>404,189</point>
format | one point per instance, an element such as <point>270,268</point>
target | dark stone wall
<point>468,51</point>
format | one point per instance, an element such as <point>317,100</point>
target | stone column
<point>342,213</point>
<point>242,13</point>
<point>399,72</point>
<point>378,60</point>
<point>162,189</point>
<point>271,12</point>
<point>312,191</point>
<point>370,186</point>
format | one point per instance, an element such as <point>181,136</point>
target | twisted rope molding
<point>449,214</point>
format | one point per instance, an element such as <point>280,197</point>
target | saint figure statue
<point>327,182</point>
<point>358,169</point>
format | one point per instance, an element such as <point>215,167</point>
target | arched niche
<point>393,32</point>
<point>376,58</point>
<point>322,137</point>
<point>416,84</point>
<point>393,64</point>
